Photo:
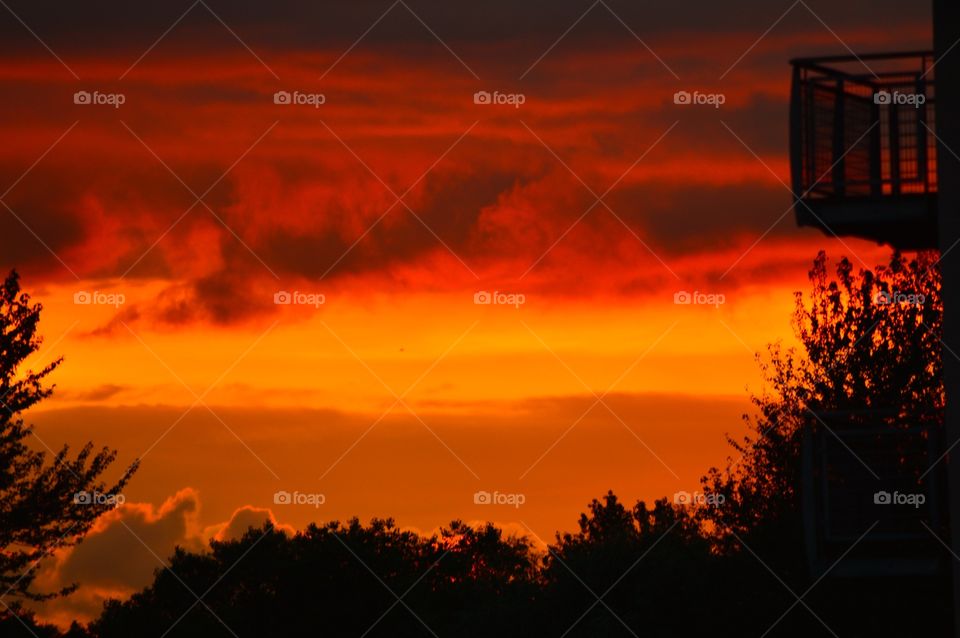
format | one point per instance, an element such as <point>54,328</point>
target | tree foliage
<point>867,341</point>
<point>39,513</point>
<point>338,579</point>
<point>870,343</point>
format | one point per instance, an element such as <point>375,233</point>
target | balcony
<point>873,470</point>
<point>863,148</point>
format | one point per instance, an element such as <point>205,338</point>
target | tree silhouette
<point>39,511</point>
<point>871,357</point>
<point>645,564</point>
<point>871,341</point>
<point>724,568</point>
<point>338,580</point>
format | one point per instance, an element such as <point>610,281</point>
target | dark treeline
<point>734,565</point>
<point>641,571</point>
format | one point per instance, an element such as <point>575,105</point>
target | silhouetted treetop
<point>39,508</point>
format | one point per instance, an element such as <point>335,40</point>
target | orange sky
<point>397,200</point>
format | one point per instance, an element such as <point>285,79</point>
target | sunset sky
<point>396,201</point>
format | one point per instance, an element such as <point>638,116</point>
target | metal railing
<point>863,127</point>
<point>874,469</point>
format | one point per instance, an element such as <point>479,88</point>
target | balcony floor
<point>906,222</point>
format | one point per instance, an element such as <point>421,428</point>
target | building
<point>875,154</point>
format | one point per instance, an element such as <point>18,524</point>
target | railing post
<point>893,121</point>
<point>797,165</point>
<point>839,174</point>
<point>811,170</point>
<point>876,152</point>
<point>921,133</point>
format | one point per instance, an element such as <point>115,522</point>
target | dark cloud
<point>448,207</point>
<point>242,520</point>
<point>120,554</point>
<point>36,234</point>
<point>100,393</point>
<point>124,533</point>
<point>299,201</point>
<point>700,217</point>
<point>128,545</point>
<point>102,25</point>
